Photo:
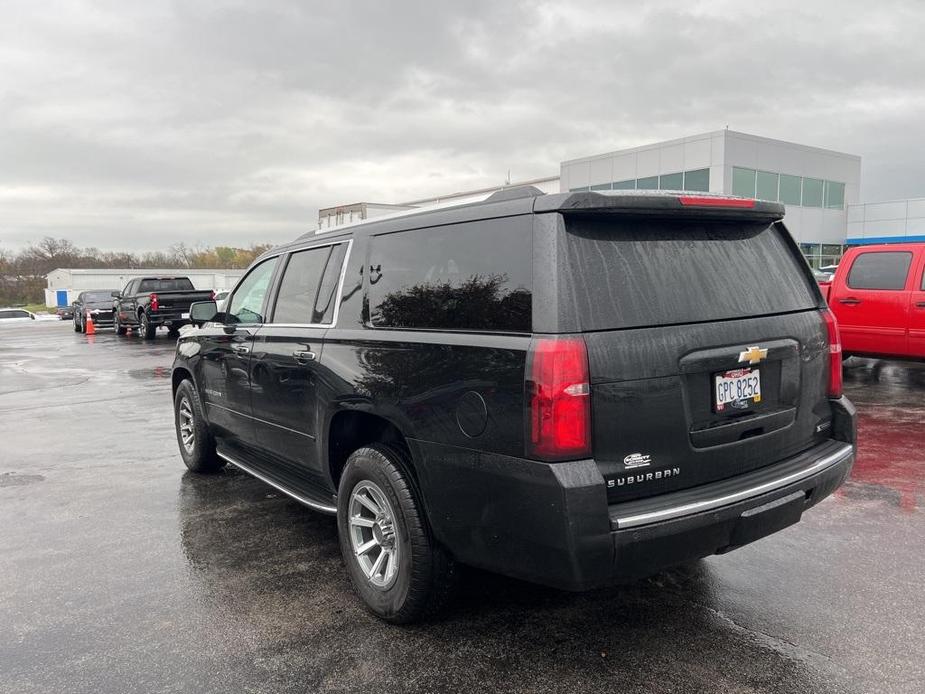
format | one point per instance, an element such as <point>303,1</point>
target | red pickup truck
<point>878,296</point>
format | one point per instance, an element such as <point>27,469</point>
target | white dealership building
<point>817,186</point>
<point>64,284</point>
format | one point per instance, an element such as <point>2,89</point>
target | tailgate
<point>180,301</point>
<point>657,424</point>
<point>706,348</point>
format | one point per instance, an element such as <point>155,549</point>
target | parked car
<point>878,296</point>
<point>149,303</point>
<point>98,305</point>
<point>16,315</point>
<point>9,316</point>
<point>573,389</point>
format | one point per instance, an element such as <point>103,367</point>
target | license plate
<point>737,389</point>
<point>184,315</point>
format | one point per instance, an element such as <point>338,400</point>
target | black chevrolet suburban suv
<point>574,389</point>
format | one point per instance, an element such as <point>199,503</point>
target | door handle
<point>303,356</point>
<point>851,301</point>
<point>240,349</point>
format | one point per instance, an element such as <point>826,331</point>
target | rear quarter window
<point>627,273</point>
<point>475,276</point>
<point>880,270</point>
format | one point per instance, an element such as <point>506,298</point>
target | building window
<point>743,182</point>
<point>812,192</point>
<point>648,183</point>
<point>601,186</point>
<point>766,188</point>
<point>625,185</point>
<point>834,195</point>
<point>673,181</point>
<point>822,255</point>
<point>579,189</point>
<point>790,189</point>
<point>698,180</point>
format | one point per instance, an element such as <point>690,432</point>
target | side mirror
<point>202,311</point>
<point>115,295</point>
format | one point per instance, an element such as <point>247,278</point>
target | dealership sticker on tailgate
<point>738,389</point>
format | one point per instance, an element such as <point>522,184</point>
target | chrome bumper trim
<point>716,502</point>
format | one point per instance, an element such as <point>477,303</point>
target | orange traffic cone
<point>90,328</point>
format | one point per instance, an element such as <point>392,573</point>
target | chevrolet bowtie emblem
<point>753,355</point>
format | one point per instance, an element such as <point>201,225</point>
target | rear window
<point>475,276</point>
<point>628,273</point>
<point>92,297</point>
<point>875,270</point>
<point>166,285</point>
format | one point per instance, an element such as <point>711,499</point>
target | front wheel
<point>396,567</point>
<point>197,445</point>
<point>76,326</point>
<point>117,325</point>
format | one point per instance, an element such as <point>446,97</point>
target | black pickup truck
<point>147,303</point>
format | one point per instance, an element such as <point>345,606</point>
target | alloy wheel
<point>373,534</point>
<point>187,425</point>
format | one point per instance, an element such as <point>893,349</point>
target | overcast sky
<point>137,125</point>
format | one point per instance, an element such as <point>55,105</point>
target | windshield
<point>630,273</point>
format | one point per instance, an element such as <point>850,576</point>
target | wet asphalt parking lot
<point>120,572</point>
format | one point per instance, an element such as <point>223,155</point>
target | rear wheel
<point>145,329</point>
<point>197,445</point>
<point>396,567</point>
<point>117,325</point>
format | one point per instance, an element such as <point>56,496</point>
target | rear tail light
<point>835,380</point>
<point>154,304</point>
<point>559,399</point>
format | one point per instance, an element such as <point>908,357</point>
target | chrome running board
<point>317,506</point>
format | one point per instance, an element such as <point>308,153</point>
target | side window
<point>474,276</point>
<point>306,293</point>
<point>880,270</point>
<point>246,305</point>
<point>129,288</point>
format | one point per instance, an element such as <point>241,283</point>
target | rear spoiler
<point>659,203</point>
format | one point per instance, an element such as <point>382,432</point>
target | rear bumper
<point>551,523</point>
<point>169,320</point>
<point>720,517</point>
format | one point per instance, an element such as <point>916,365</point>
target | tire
<point>145,329</point>
<point>424,576</point>
<point>117,325</point>
<point>173,332</point>
<point>197,445</point>
<point>76,326</point>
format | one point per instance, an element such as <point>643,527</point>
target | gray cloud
<point>140,124</point>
